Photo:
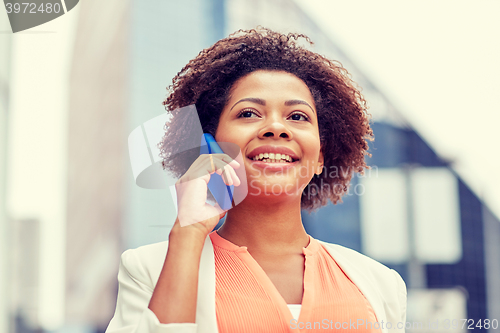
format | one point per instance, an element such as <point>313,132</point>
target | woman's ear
<point>321,162</point>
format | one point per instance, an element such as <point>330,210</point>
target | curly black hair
<point>344,129</point>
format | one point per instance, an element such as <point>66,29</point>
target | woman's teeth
<point>273,158</point>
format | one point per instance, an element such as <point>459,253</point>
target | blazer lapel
<point>205,309</point>
<point>367,288</point>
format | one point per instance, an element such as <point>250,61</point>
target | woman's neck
<point>266,228</point>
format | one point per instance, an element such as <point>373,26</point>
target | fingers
<point>235,179</point>
<point>225,172</point>
<point>234,164</point>
<point>226,175</point>
<point>207,164</point>
<point>224,166</point>
<point>212,166</point>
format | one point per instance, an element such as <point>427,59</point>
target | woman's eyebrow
<point>250,99</point>
<point>298,101</point>
<point>260,101</point>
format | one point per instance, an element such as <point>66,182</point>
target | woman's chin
<point>274,191</point>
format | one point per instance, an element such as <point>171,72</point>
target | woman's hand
<point>174,298</point>
<point>194,214</point>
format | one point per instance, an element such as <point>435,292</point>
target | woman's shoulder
<point>347,256</point>
<point>149,250</point>
<point>145,262</point>
<point>348,252</point>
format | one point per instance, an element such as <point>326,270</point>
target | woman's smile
<point>273,157</point>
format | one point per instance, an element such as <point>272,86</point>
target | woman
<point>301,127</point>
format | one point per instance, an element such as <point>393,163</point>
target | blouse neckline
<point>311,249</point>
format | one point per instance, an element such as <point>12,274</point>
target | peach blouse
<point>247,301</point>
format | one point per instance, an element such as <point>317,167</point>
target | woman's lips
<point>271,149</point>
<point>271,165</point>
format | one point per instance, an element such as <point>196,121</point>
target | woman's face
<point>272,117</point>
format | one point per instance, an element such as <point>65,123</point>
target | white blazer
<point>140,269</point>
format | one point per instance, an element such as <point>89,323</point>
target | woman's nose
<point>275,129</point>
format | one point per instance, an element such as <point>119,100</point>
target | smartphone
<point>222,193</point>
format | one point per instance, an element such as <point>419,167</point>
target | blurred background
<point>72,90</point>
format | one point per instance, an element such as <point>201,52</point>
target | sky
<point>438,62</point>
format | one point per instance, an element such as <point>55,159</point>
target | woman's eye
<point>299,116</point>
<point>247,114</point>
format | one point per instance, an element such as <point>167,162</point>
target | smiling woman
<point>295,116</point>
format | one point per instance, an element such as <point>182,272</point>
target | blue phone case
<point>222,193</point>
